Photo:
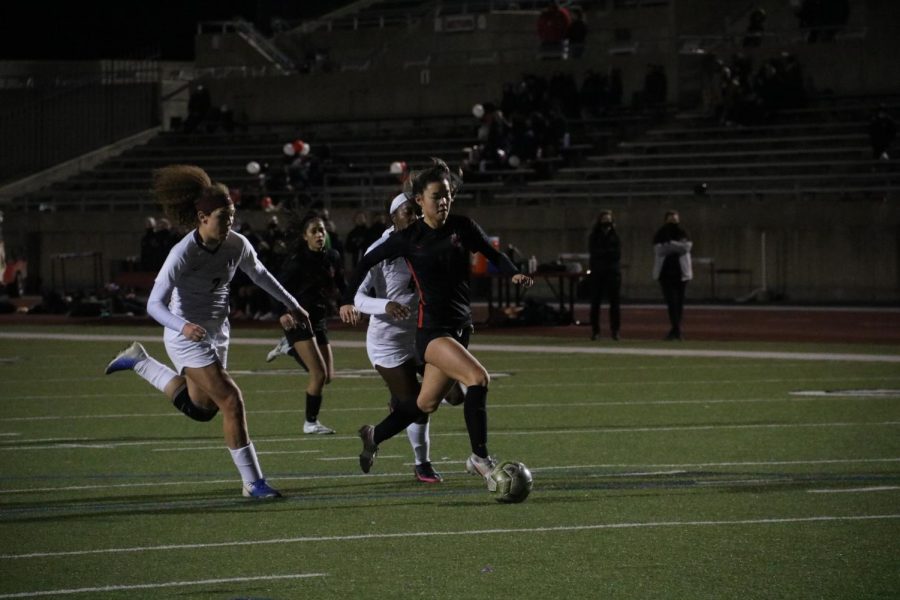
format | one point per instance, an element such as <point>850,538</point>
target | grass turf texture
<point>655,477</point>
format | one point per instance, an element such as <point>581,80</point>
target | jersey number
<point>215,284</point>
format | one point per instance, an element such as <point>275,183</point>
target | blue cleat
<point>260,490</point>
<point>127,358</point>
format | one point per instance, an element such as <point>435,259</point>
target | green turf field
<point>656,476</point>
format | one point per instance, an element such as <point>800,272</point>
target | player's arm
<point>158,301</point>
<point>261,276</point>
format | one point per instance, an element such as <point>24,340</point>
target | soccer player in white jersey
<point>391,335</point>
<point>190,299</point>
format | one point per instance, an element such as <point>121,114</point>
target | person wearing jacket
<point>672,268</point>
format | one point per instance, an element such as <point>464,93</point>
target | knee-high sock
<point>247,463</point>
<point>155,373</point>
<point>398,420</point>
<point>313,404</point>
<point>420,441</point>
<point>475,411</point>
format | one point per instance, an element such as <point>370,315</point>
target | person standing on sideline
<point>605,250</point>
<point>672,268</point>
<point>316,275</point>
<point>437,249</point>
<point>190,298</point>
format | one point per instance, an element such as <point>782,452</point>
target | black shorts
<point>301,333</point>
<point>425,336</point>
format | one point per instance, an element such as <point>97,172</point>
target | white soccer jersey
<point>192,286</point>
<point>389,342</point>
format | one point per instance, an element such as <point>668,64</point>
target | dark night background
<point>130,29</point>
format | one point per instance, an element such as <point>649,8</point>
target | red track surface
<point>646,322</point>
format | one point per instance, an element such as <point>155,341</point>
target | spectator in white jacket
<point>672,268</point>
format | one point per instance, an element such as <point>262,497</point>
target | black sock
<point>475,412</point>
<point>183,402</point>
<point>313,404</point>
<point>406,413</point>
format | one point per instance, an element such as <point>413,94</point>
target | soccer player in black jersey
<point>316,274</point>
<point>437,249</point>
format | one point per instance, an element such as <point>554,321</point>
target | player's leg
<point>404,387</point>
<point>305,344</point>
<point>455,362</point>
<point>136,358</point>
<point>213,383</point>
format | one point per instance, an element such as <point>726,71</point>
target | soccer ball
<point>511,482</point>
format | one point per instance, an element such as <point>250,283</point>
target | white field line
<point>493,406</point>
<point>670,468</point>
<point>154,586</point>
<point>879,488</point>
<point>503,384</point>
<point>473,532</point>
<point>68,444</point>
<point>804,356</point>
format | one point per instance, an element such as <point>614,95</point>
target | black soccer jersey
<point>439,261</point>
<point>316,279</point>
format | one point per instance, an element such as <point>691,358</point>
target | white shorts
<point>186,353</point>
<point>390,348</point>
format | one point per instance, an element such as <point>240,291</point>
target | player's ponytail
<point>182,190</point>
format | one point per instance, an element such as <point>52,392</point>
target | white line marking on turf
<point>674,467</point>
<point>426,534</point>
<point>494,406</point>
<point>540,349</point>
<point>219,448</point>
<point>880,488</point>
<point>85,443</point>
<point>153,586</point>
<point>336,458</point>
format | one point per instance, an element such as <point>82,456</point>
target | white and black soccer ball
<point>511,482</point>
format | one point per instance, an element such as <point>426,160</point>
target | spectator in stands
<point>823,18</point>
<point>552,25</point>
<point>358,237</point>
<point>576,34</point>
<point>594,94</point>
<point>605,251</point>
<point>755,28</point>
<point>672,268</point>
<point>158,239</point>
<point>655,86</point>
<point>882,131</point>
<point>149,255</point>
<point>199,105</point>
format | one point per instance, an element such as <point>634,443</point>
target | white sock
<point>246,462</point>
<point>155,373</point>
<point>421,443</point>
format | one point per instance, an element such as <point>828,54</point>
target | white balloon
<point>478,111</point>
<point>253,167</point>
<point>396,168</point>
<point>289,149</point>
<point>305,150</point>
<point>514,161</point>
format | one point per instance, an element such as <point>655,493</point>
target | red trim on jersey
<point>419,291</point>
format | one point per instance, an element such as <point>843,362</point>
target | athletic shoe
<point>280,349</point>
<point>426,473</point>
<point>260,490</point>
<point>475,465</point>
<point>367,456</point>
<point>316,428</point>
<point>127,358</point>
